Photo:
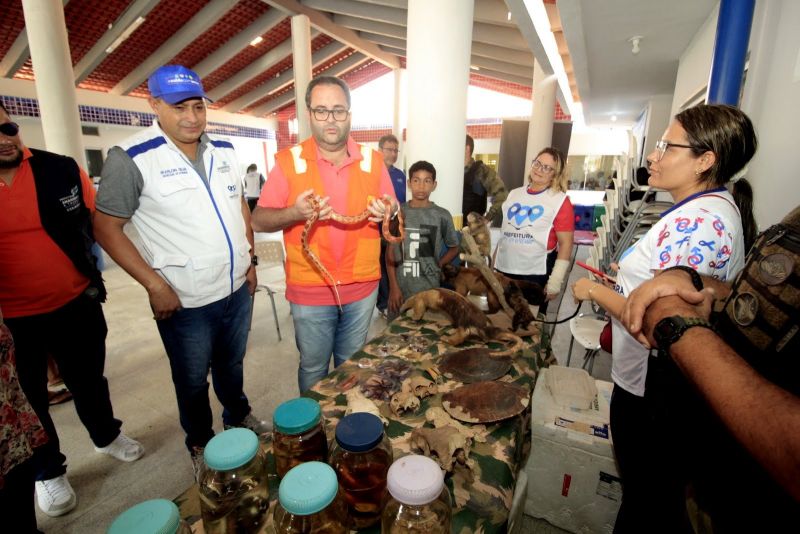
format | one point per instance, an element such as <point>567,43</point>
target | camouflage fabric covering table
<point>481,494</point>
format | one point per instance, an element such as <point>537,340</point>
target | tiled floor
<point>144,398</point>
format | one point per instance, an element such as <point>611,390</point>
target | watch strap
<point>670,329</point>
<point>697,282</point>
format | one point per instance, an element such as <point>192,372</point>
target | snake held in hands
<point>347,220</point>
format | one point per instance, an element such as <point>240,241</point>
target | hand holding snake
<point>315,208</point>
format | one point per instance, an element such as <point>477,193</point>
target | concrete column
<point>397,129</point>
<point>52,66</point>
<point>301,63</point>
<point>540,127</point>
<point>438,76</point>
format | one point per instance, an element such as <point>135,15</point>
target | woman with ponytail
<point>707,231</point>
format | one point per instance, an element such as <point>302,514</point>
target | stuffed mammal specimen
<point>468,320</point>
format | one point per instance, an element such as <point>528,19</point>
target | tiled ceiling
<point>363,56</point>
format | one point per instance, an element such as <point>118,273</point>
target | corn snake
<point>346,220</point>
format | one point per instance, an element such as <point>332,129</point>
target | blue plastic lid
<point>157,516</point>
<point>231,449</point>
<point>296,416</point>
<point>359,432</point>
<point>308,488</point>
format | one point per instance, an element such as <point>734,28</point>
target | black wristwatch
<point>254,260</point>
<point>697,282</point>
<point>670,329</point>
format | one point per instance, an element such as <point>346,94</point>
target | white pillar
<point>52,66</point>
<point>301,63</point>
<point>397,129</point>
<point>540,127</point>
<point>438,76</point>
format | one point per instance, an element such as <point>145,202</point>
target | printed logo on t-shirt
<point>520,216</point>
<point>419,245</point>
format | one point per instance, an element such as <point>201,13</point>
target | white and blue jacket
<point>193,233</point>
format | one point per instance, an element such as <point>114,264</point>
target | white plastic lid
<point>415,480</point>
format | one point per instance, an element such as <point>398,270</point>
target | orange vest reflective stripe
<point>360,260</point>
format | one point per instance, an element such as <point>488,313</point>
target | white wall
<point>598,141</point>
<point>773,102</point>
<point>694,67</point>
<point>658,118</point>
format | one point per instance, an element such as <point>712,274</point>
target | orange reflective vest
<point>360,260</point>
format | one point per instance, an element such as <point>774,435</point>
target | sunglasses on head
<point>9,128</point>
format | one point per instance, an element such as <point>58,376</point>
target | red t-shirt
<point>275,194</point>
<point>36,276</point>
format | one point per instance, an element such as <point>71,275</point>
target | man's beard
<point>11,163</point>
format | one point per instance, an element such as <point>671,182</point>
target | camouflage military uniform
<point>490,185</point>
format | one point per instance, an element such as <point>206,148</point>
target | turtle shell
<point>473,365</point>
<point>486,402</point>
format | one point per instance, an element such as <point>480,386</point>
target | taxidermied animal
<point>446,445</point>
<point>468,280</point>
<point>468,320</point>
<point>479,229</point>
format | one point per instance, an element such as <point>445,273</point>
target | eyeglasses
<point>539,165</point>
<point>9,128</point>
<point>385,149</point>
<point>322,114</point>
<point>662,146</point>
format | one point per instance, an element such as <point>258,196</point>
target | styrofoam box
<point>573,480</point>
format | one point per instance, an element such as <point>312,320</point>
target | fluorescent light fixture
<point>124,35</point>
<point>613,118</point>
<point>257,40</point>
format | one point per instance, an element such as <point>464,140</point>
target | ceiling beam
<point>284,79</point>
<point>275,55</point>
<point>96,55</point>
<point>503,54</point>
<point>239,42</point>
<point>338,69</point>
<point>17,54</point>
<point>520,15</point>
<point>505,76</point>
<point>371,26</point>
<point>342,34</point>
<point>499,36</point>
<point>197,25</point>
<point>355,8</point>
<point>492,12</point>
<point>385,40</point>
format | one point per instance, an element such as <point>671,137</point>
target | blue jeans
<point>212,337</point>
<point>320,331</point>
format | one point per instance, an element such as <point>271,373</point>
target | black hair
<point>388,138</point>
<point>729,134</point>
<point>327,80</point>
<point>422,165</point>
<point>252,167</point>
<point>470,144</point>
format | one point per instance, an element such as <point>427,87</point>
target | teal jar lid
<point>308,488</point>
<point>296,416</point>
<point>231,449</point>
<point>157,516</point>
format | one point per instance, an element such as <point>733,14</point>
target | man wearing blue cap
<point>180,188</point>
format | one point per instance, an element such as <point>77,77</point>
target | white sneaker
<point>55,496</point>
<point>123,448</point>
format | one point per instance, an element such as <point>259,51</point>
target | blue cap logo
<point>175,83</point>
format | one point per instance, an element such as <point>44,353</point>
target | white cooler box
<point>573,481</point>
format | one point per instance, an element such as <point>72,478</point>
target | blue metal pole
<point>730,50</point>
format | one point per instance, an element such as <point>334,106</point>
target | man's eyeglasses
<point>322,114</point>
<point>385,149</point>
<point>662,146</point>
<point>9,128</point>
<point>539,165</point>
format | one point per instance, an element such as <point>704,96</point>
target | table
<point>481,496</point>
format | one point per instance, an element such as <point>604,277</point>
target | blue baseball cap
<point>175,83</point>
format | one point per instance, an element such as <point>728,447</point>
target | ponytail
<point>743,196</point>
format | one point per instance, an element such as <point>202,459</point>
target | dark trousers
<point>383,285</point>
<point>251,203</point>
<point>653,487</point>
<point>75,336</point>
<point>16,499</point>
<point>211,337</point>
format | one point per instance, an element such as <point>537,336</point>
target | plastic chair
<point>586,328</point>
<point>269,253</point>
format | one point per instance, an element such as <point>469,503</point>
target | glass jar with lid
<point>298,434</point>
<point>156,516</point>
<point>361,456</point>
<point>418,500</point>
<point>310,501</point>
<point>234,496</point>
